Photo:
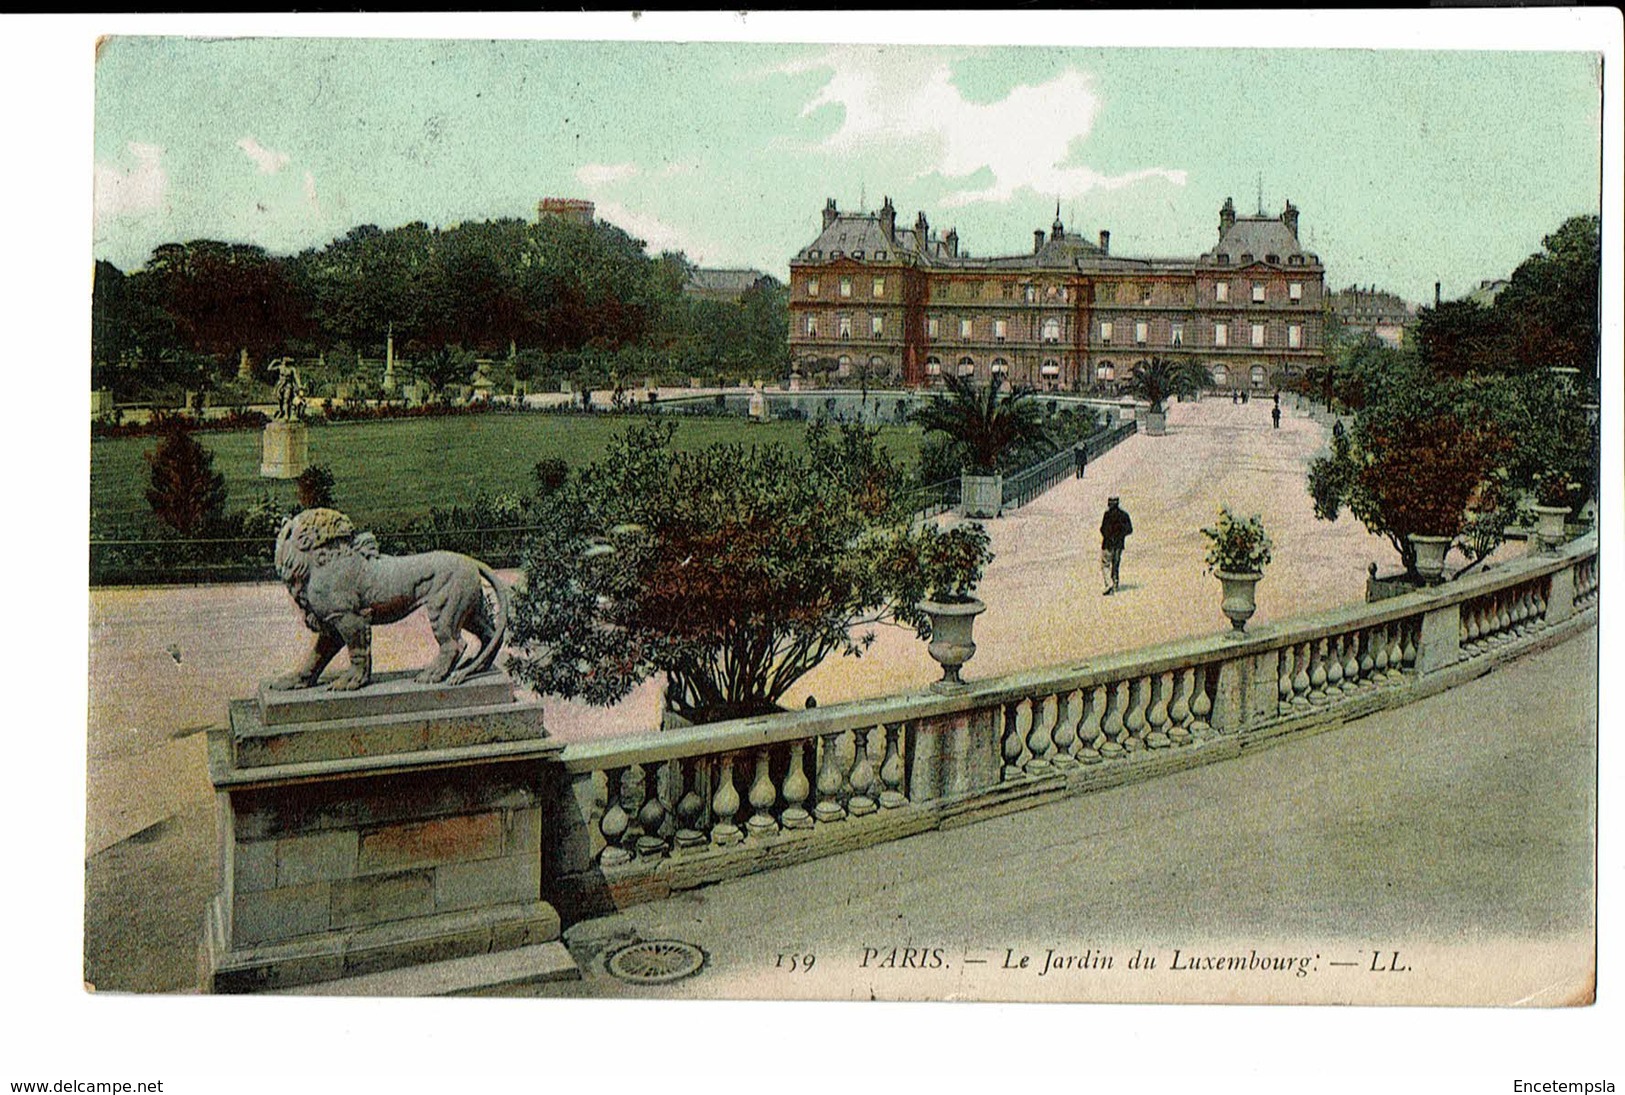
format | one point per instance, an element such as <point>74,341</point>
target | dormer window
<point>835,254</point>
<point>880,256</point>
<point>1246,257</point>
<point>1224,259</point>
<point>857,254</point>
<point>1276,259</point>
<point>1294,260</point>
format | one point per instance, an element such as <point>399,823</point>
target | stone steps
<point>472,976</point>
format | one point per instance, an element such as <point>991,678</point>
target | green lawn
<point>389,472</point>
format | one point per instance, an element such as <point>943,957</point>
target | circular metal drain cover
<point>655,962</point>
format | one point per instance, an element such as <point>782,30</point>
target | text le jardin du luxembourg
<point>1050,961</point>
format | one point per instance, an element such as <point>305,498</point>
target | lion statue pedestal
<point>387,820</point>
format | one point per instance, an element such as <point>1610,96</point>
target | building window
<point>812,287</point>
<point>1221,291</point>
<point>877,325</point>
<point>1105,330</point>
<point>1052,330</point>
<point>964,328</point>
<point>1258,376</point>
<point>812,326</point>
<point>1105,371</point>
<point>877,366</point>
<point>814,254</point>
<point>1029,293</point>
<point>933,366</point>
<point>1221,334</point>
<point>843,366</point>
<point>1051,367</point>
<point>931,327</point>
<point>1294,291</point>
<point>1294,336</point>
<point>1176,335</point>
<point>1145,295</point>
<point>880,287</point>
<point>1224,258</point>
<point>1141,331</point>
<point>880,256</point>
<point>1258,334</point>
<point>844,327</point>
<point>999,329</point>
<point>1258,292</point>
<point>1221,375</point>
<point>1000,365</point>
<point>967,366</point>
<point>846,287</point>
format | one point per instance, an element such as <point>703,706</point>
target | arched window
<point>877,364</point>
<point>1105,371</point>
<point>933,366</point>
<point>1221,375</point>
<point>1051,367</point>
<point>843,366</point>
<point>1258,376</point>
<point>1000,365</point>
<point>967,366</point>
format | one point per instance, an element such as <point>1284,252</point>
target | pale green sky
<point>1408,167</point>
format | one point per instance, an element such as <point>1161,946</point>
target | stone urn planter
<point>1549,521</point>
<point>1156,423</point>
<point>1240,598</point>
<point>980,495</point>
<point>951,644</point>
<point>1430,553</point>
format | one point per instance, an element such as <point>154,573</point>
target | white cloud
<point>655,232</point>
<point>122,192</point>
<point>673,170</point>
<point>269,161</point>
<point>601,174</point>
<point>891,100</point>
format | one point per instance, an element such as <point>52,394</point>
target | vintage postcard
<point>848,518</point>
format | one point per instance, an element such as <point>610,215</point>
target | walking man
<point>1275,413</point>
<point>1115,527</point>
<point>1080,458</point>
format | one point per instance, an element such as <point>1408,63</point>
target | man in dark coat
<point>1115,527</point>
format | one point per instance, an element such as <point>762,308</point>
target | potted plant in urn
<point>1553,493</point>
<point>984,426</point>
<point>1238,550</point>
<point>952,564</point>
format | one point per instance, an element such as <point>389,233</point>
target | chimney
<point>830,212</point>
<point>1038,240</point>
<point>1227,216</point>
<point>951,240</point>
<point>1289,217</point>
<point>921,226</point>
<point>1105,242</point>
<point>888,219</point>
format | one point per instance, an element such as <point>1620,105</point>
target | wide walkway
<point>1461,842</point>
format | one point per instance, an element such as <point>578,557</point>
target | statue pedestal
<point>284,450</point>
<point>371,831</point>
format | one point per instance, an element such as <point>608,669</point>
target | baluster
<point>1090,735</point>
<point>1368,663</point>
<point>1156,715</point>
<point>1351,664</point>
<point>1201,705</point>
<point>1472,612</point>
<point>891,770</point>
<point>1503,622</point>
<point>1543,596</point>
<point>1317,672</point>
<point>763,797</point>
<point>1013,744</point>
<point>830,779</point>
<point>1111,722</point>
<point>1526,609</point>
<point>1407,656</point>
<point>1334,667</point>
<point>652,813</point>
<point>1284,685</point>
<point>724,805</point>
<point>863,776</point>
<point>1300,677</point>
<point>1172,693</point>
<point>1380,642</point>
<point>796,790</point>
<point>1068,707</point>
<point>1134,716</point>
<point>613,825</point>
<point>1039,741</point>
<point>690,807</point>
<point>1179,712</point>
<point>633,796</point>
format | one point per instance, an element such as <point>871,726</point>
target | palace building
<point>909,304</point>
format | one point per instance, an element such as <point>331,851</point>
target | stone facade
<point>907,304</point>
<point>1372,311</point>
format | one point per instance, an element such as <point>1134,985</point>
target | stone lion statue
<point>344,586</point>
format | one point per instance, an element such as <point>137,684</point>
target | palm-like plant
<point>1192,377</point>
<point>1155,380</point>
<point>981,421</point>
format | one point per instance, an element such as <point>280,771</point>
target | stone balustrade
<point>638,817</point>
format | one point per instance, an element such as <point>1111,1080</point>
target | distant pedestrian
<point>1244,395</point>
<point>1115,528</point>
<point>1080,457</point>
<point>1235,396</point>
<point>1275,413</point>
<point>1277,397</point>
<point>1337,429</point>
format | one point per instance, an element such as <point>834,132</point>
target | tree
<point>1157,379</point>
<point>982,423</point>
<point>732,570</point>
<point>185,491</point>
<point>1550,307</point>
